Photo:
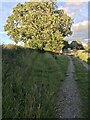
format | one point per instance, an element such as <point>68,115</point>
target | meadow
<point>31,80</point>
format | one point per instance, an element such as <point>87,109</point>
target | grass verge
<point>82,80</point>
<point>30,82</point>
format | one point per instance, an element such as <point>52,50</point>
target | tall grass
<point>30,82</point>
<point>82,80</point>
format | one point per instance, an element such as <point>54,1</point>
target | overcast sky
<point>77,10</point>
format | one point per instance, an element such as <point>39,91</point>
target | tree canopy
<point>66,45</point>
<point>39,24</point>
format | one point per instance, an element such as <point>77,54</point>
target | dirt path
<point>69,102</point>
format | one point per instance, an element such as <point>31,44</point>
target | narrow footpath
<point>68,101</point>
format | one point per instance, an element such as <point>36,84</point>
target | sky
<point>77,9</point>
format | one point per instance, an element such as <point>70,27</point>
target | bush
<point>88,61</point>
<point>11,46</point>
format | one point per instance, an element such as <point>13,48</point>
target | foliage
<point>82,54</point>
<point>88,60</point>
<point>86,48</point>
<point>30,82</point>
<point>76,45</point>
<point>39,25</point>
<point>66,45</point>
<point>88,44</point>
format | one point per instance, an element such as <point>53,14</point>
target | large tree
<point>39,25</point>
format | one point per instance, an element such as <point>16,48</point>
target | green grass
<point>82,80</point>
<point>82,54</point>
<point>31,80</point>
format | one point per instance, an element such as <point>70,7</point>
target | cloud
<point>74,2</point>
<point>80,26</point>
<point>20,43</point>
<point>77,12</point>
<point>80,32</point>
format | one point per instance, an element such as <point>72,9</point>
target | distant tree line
<point>73,45</point>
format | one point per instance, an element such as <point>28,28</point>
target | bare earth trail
<point>69,102</point>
